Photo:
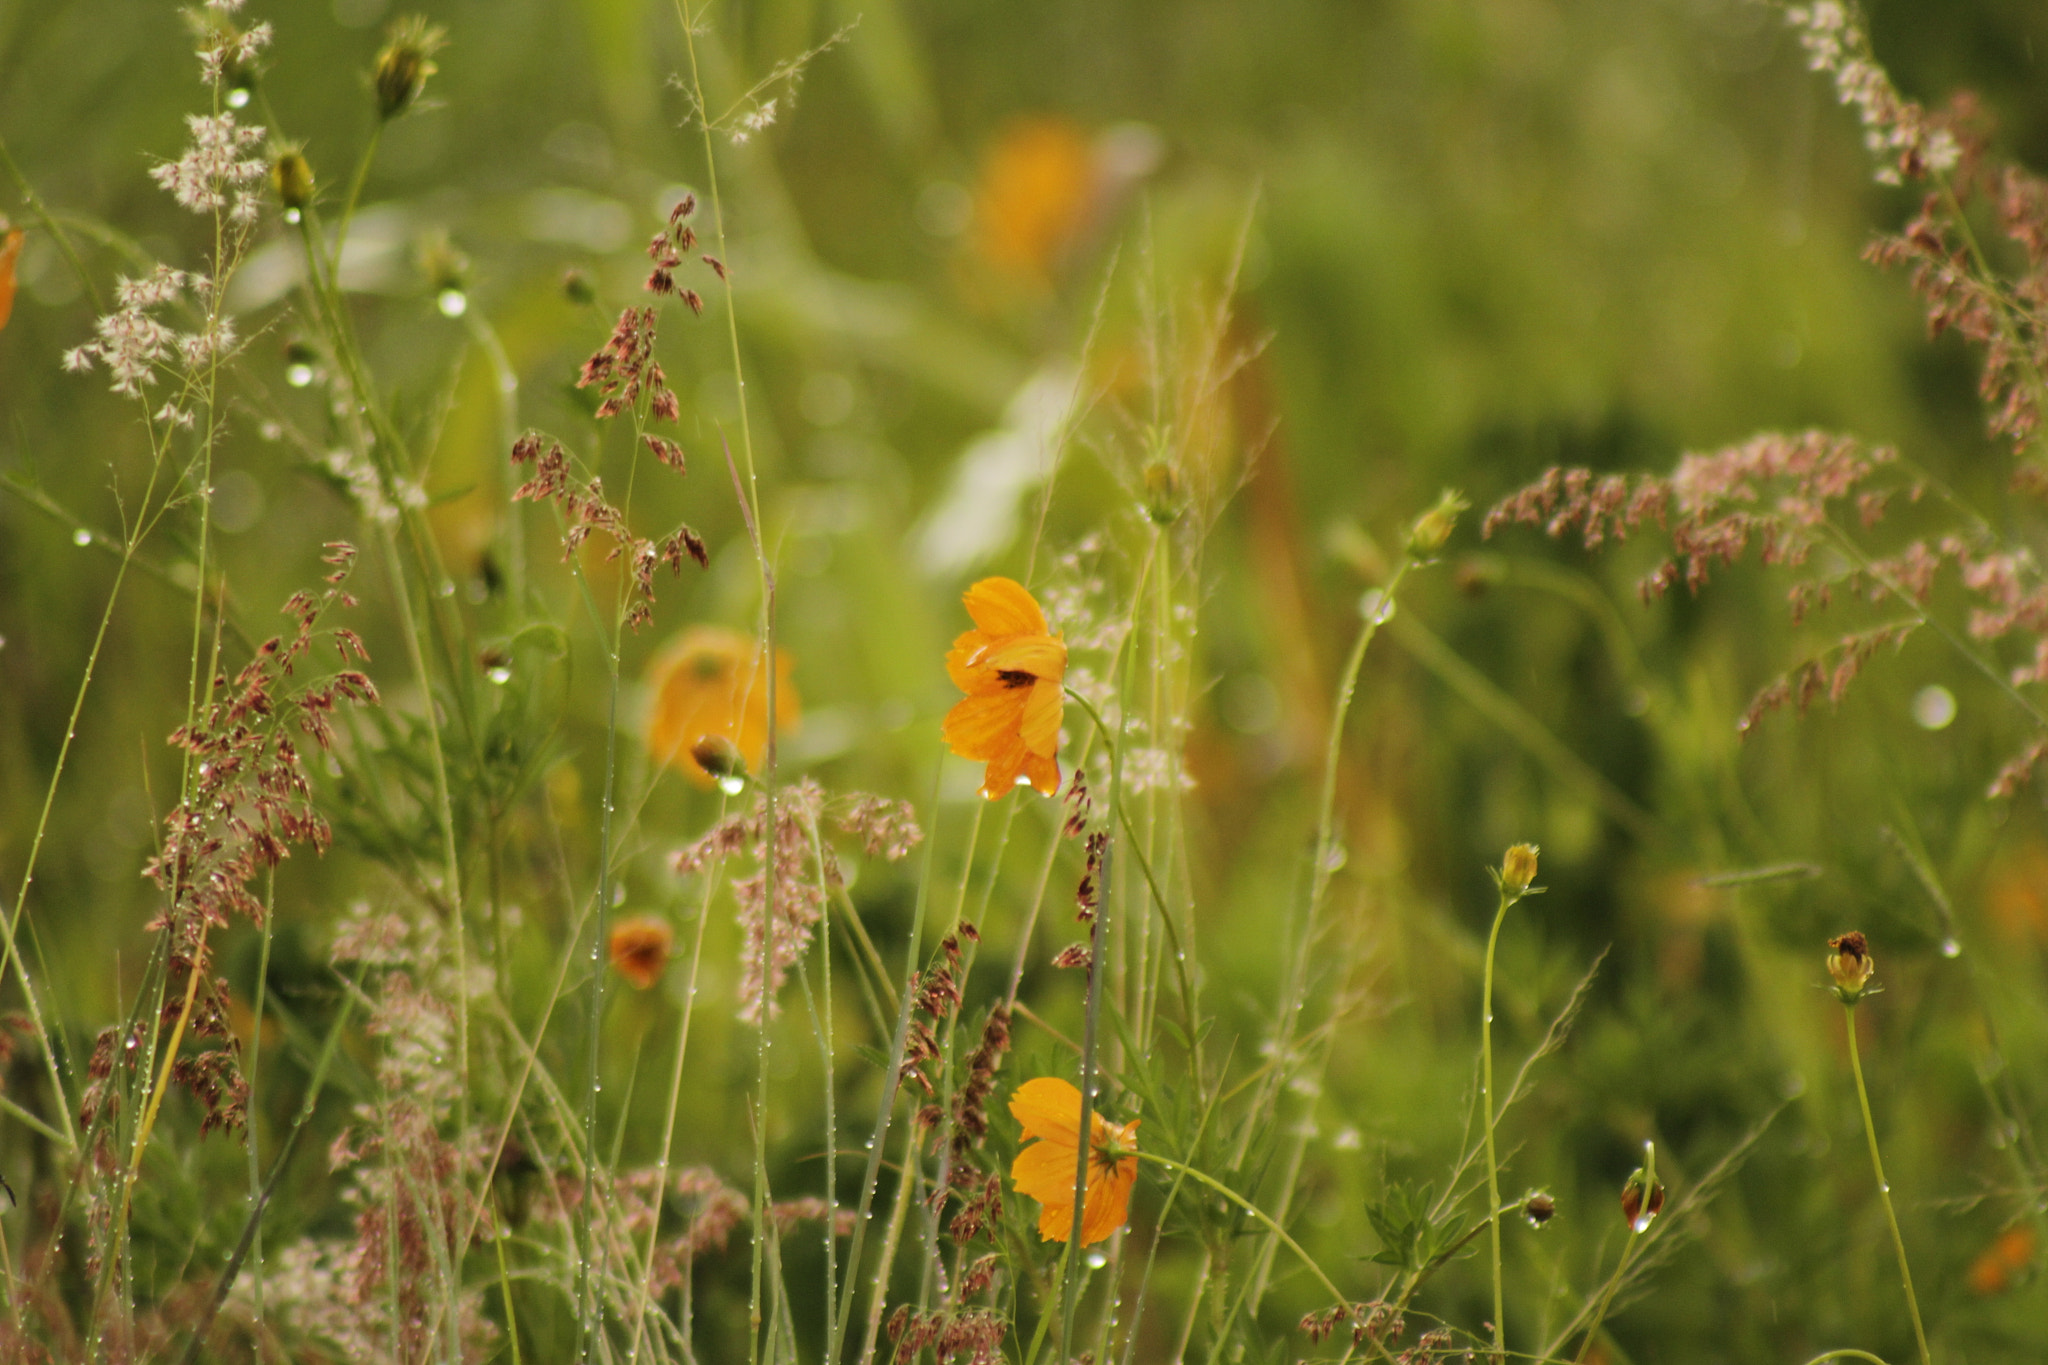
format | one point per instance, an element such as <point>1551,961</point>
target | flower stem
<point>1272,1224</point>
<point>1507,900</point>
<point>1884,1189</point>
<point>1098,948</point>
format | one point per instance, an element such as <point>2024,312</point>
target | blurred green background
<point>1469,240</point>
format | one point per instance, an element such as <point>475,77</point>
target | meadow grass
<point>584,931</point>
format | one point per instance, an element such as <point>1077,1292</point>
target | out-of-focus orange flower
<point>639,949</point>
<point>1034,195</point>
<point>1011,669</point>
<point>708,683</point>
<point>2000,1264</point>
<point>1050,1110</point>
<point>10,248</point>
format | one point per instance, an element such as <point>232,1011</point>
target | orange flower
<point>1036,187</point>
<point>10,247</point>
<point>1050,1111</point>
<point>1999,1265</point>
<point>707,684</point>
<point>639,949</point>
<point>1011,669</point>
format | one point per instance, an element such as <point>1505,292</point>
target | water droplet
<point>1489,1018</point>
<point>238,98</point>
<point>1096,1260</point>
<point>1885,1188</point>
<point>500,675</point>
<point>732,784</point>
<point>292,216</point>
<point>1376,607</point>
<point>619,894</point>
<point>447,588</point>
<point>298,374</point>
<point>1643,1221</point>
<point>1949,946</point>
<point>81,537</point>
<point>1934,707</point>
<point>453,303</point>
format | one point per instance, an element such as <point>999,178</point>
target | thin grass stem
<point>1884,1189</point>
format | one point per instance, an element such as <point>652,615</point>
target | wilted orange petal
<point>1002,606</point>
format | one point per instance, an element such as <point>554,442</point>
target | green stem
<point>1507,902</point>
<point>1097,952</point>
<point>1272,1225</point>
<point>1884,1189</point>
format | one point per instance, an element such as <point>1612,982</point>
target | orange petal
<point>1042,656</point>
<point>1039,723</point>
<point>972,678</point>
<point>1044,1171</point>
<point>1001,606</point>
<point>1004,769</point>
<point>982,727</point>
<point>1048,1107</point>
<point>1109,1201</point>
<point>1043,772</point>
<point>10,247</point>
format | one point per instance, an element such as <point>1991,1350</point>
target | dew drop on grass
<point>81,537</point>
<point>453,303</point>
<point>1096,1260</point>
<point>293,216</point>
<point>1643,1221</point>
<point>500,675</point>
<point>732,784</point>
<point>298,374</point>
<point>1950,948</point>
<point>238,98</point>
<point>1934,707</point>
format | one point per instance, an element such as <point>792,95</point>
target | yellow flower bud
<point>1518,869</point>
<point>1851,965</point>
<point>1433,528</point>
<point>291,175</point>
<point>1163,501</point>
<point>405,63</point>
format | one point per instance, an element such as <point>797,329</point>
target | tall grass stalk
<point>1517,870</point>
<point>1884,1189</point>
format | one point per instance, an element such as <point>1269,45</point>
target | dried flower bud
<point>1433,528</point>
<point>1851,965</point>
<point>1163,501</point>
<point>719,756</point>
<point>405,63</point>
<point>291,175</point>
<point>576,288</point>
<point>1642,1199</point>
<point>1518,869</point>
